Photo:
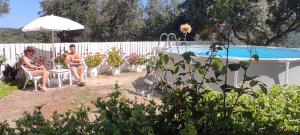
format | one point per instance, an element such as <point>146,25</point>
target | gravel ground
<point>70,97</point>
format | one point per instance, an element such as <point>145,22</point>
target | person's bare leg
<point>81,73</point>
<point>45,77</point>
<point>75,73</point>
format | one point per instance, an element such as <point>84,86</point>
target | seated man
<point>74,61</point>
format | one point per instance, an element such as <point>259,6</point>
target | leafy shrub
<point>184,112</point>
<point>2,59</point>
<point>115,58</point>
<point>60,59</point>
<point>93,60</point>
<point>135,59</point>
<point>278,111</point>
<point>6,89</point>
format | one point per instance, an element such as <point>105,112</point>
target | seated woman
<point>36,69</point>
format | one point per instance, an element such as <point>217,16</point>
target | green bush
<point>278,111</point>
<point>183,112</point>
<point>6,89</point>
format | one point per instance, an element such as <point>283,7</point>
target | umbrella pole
<point>53,49</point>
<point>52,37</point>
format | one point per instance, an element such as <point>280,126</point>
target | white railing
<point>45,50</point>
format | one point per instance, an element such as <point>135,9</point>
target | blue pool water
<point>244,52</point>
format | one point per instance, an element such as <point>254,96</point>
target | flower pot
<point>93,71</point>
<point>139,68</point>
<point>132,68</point>
<point>104,68</point>
<point>58,66</point>
<point>116,71</point>
<point>144,67</point>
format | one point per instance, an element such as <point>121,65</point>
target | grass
<point>6,89</point>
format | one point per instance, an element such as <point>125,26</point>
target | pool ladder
<point>168,41</point>
<point>152,82</point>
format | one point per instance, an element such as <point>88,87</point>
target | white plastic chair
<point>29,77</point>
<point>85,72</point>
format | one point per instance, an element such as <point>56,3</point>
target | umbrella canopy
<point>52,23</point>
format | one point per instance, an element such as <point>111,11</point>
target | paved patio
<point>69,97</point>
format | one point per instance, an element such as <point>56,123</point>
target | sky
<point>21,13</point>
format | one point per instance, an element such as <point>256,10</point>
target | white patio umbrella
<point>52,23</point>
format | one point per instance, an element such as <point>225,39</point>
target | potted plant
<point>59,60</point>
<point>2,59</point>
<point>135,62</point>
<point>93,61</point>
<point>115,60</point>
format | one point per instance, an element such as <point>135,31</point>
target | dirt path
<point>68,97</point>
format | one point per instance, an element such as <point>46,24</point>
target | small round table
<point>60,73</point>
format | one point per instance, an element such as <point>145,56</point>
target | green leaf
<point>182,74</point>
<point>226,87</point>
<point>248,78</point>
<point>176,69</point>
<point>201,70</point>
<point>193,81</point>
<point>183,66</point>
<point>166,58</point>
<point>244,65</point>
<point>253,83</point>
<point>188,56</point>
<point>213,80</point>
<point>263,88</point>
<point>234,67</point>
<point>255,57</point>
<point>217,64</point>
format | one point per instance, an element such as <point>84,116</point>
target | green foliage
<point>115,58</point>
<point>183,112</point>
<point>4,7</point>
<point>8,35</point>
<point>105,20</point>
<point>2,59</point>
<point>119,20</point>
<point>262,22</point>
<point>115,20</point>
<point>60,59</point>
<point>274,112</point>
<point>93,60</point>
<point>196,13</point>
<point>82,11</point>
<point>6,89</point>
<point>160,17</point>
<point>135,59</point>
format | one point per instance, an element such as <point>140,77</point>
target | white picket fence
<point>48,51</point>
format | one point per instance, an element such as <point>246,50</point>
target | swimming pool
<point>244,52</point>
<point>275,66</point>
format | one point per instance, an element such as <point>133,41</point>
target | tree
<point>119,20</point>
<point>259,22</point>
<point>160,17</point>
<point>195,13</point>
<point>104,20</point>
<point>82,11</point>
<point>4,7</point>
